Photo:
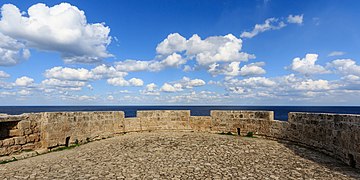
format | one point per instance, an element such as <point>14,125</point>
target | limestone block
<point>14,148</point>
<point>32,138</point>
<point>1,143</point>
<point>8,142</point>
<point>4,151</point>
<point>15,132</point>
<point>24,124</point>
<point>28,146</point>
<point>20,140</point>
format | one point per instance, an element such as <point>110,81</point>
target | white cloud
<point>150,89</point>
<point>103,71</point>
<point>307,65</point>
<point>85,98</point>
<point>216,49</point>
<point>24,92</point>
<point>295,19</point>
<point>12,51</point>
<point>62,84</point>
<point>110,98</point>
<point>171,88</point>
<point>345,66</point>
<point>173,43</point>
<point>233,69</point>
<point>336,53</point>
<point>62,28</point>
<point>64,73</point>
<point>269,24</point>
<point>120,81</point>
<point>212,49</point>
<point>4,75</point>
<point>312,85</point>
<point>190,83</point>
<point>24,81</point>
<point>172,60</point>
<point>252,82</point>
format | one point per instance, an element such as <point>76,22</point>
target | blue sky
<point>263,52</point>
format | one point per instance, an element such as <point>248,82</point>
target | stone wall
<point>333,134</point>
<point>242,122</point>
<point>19,133</point>
<point>65,128</point>
<point>164,120</point>
<point>336,135</point>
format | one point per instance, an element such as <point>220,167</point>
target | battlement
<point>333,134</point>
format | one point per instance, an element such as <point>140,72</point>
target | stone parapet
<point>334,134</point>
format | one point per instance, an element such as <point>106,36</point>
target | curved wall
<point>336,135</point>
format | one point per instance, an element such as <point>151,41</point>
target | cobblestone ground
<point>168,155</point>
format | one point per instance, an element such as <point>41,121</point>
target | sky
<point>179,52</point>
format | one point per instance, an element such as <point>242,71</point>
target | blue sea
<point>281,112</point>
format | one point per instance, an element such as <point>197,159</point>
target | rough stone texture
<point>132,124</point>
<point>179,155</point>
<point>201,123</point>
<point>79,127</point>
<point>258,122</point>
<point>336,135</point>
<point>164,120</point>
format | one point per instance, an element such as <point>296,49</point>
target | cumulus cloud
<point>295,19</point>
<point>180,85</point>
<point>120,81</point>
<point>345,67</point>
<point>4,75</point>
<point>64,73</point>
<point>312,85</point>
<point>12,51</point>
<point>336,53</point>
<point>307,65</point>
<point>171,88</point>
<point>104,71</point>
<point>269,24</point>
<point>24,81</point>
<point>24,92</point>
<point>210,50</point>
<point>233,69</point>
<point>63,84</point>
<point>173,43</point>
<point>172,60</point>
<point>150,89</point>
<point>62,28</point>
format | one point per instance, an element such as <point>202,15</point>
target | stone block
<point>4,151</point>
<point>14,148</point>
<point>20,140</point>
<point>28,146</point>
<point>32,138</point>
<point>24,124</point>
<point>1,143</point>
<point>8,142</point>
<point>15,132</point>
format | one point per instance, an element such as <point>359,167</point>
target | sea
<point>280,112</point>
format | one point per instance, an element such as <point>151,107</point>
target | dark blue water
<point>281,112</point>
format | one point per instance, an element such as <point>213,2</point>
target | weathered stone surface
<point>336,135</point>
<point>20,140</point>
<point>15,132</point>
<point>8,142</point>
<point>29,146</point>
<point>32,138</point>
<point>179,155</point>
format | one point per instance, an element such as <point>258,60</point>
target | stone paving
<point>180,155</point>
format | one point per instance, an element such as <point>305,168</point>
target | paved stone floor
<point>180,155</point>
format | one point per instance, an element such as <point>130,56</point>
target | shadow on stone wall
<point>331,163</point>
